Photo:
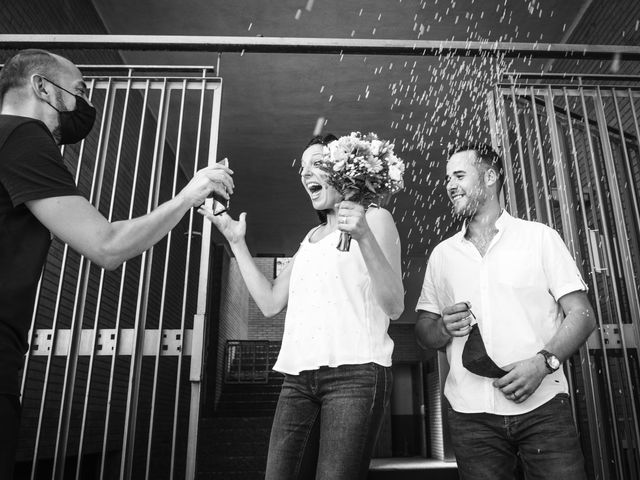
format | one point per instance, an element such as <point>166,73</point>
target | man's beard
<point>56,131</point>
<point>470,209</point>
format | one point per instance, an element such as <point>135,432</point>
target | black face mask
<point>74,125</point>
<point>475,357</point>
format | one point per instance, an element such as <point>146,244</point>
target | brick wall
<point>260,327</point>
<point>233,313</point>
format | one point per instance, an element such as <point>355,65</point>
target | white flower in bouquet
<point>374,164</point>
<point>396,170</point>
<point>376,145</point>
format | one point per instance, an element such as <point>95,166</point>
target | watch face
<point>553,362</point>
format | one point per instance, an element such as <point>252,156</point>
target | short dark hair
<point>486,154</point>
<point>322,140</point>
<point>19,68</point>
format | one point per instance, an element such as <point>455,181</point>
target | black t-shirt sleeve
<point>31,167</point>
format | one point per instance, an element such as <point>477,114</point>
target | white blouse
<point>332,316</point>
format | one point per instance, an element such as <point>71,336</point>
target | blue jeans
<point>327,422</point>
<point>487,447</point>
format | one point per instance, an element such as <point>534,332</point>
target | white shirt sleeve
<point>428,300</point>
<point>560,268</point>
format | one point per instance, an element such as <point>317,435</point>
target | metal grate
<point>247,361</point>
<point>571,145</point>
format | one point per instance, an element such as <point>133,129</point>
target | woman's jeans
<point>488,447</point>
<point>327,422</point>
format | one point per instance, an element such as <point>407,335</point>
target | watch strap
<point>547,356</point>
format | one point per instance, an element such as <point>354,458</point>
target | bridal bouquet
<point>363,169</point>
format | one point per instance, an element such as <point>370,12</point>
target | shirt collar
<point>501,223</point>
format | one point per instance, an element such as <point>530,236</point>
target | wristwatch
<point>550,360</point>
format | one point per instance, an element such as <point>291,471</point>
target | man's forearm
<point>129,238</point>
<point>575,328</point>
<point>573,332</point>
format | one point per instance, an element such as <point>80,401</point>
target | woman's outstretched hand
<point>233,230</point>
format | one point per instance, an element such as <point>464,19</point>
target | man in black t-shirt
<point>44,103</point>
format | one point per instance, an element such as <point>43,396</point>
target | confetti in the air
<point>318,128</point>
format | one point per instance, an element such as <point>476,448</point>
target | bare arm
<point>75,221</point>
<point>379,243</point>
<point>270,296</point>
<point>578,323</point>
<point>430,331</point>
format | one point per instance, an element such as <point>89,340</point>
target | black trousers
<point>10,427</point>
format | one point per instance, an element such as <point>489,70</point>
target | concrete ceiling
<point>271,102</point>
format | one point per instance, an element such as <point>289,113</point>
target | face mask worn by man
<point>77,123</point>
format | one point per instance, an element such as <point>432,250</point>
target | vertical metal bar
<point>506,153</point>
<point>164,280</point>
<point>618,213</point>
<point>605,231</point>
<point>32,328</point>
<point>114,356</point>
<point>520,151</point>
<point>186,280</point>
<point>54,325</point>
<point>164,276</point>
<point>593,412</point>
<point>563,183</point>
<point>532,167</point>
<point>197,349</point>
<point>543,167</point>
<point>494,130</point>
<point>634,115</point>
<point>77,319</point>
<point>493,123</point>
<point>101,281</point>
<point>126,465</point>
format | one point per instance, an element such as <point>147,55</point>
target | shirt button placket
<point>485,313</point>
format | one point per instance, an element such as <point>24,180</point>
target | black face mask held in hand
<point>475,358</point>
<point>74,125</point>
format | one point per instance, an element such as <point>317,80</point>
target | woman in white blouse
<point>336,352</point>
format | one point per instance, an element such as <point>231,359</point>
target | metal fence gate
<point>571,146</point>
<point>111,385</point>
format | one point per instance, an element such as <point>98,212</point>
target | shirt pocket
<point>517,268</point>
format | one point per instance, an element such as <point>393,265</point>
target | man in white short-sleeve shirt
<point>518,282</point>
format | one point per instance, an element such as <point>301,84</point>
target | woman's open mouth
<point>314,189</point>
